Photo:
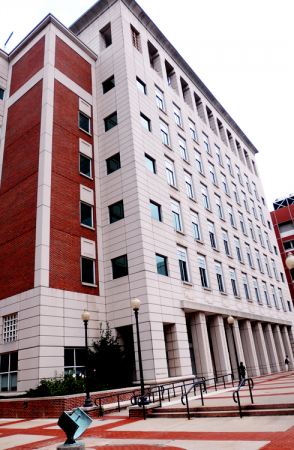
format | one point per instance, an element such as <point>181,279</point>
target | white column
<point>261,350</point>
<point>239,348</point>
<point>249,348</point>
<point>287,344</point>
<point>219,344</point>
<point>271,347</point>
<point>281,352</point>
<point>291,337</point>
<point>178,350</point>
<point>200,340</point>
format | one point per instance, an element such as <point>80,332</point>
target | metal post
<point>236,354</point>
<point>88,402</point>
<point>143,400</point>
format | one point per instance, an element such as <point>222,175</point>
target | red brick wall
<point>73,65</point>
<point>18,194</point>
<point>66,231</point>
<point>28,65</point>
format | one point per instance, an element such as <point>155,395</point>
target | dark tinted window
<point>110,121</point>
<point>69,357</point>
<point>161,265</point>
<point>1,94</point>
<point>116,212</point>
<point>150,163</point>
<point>86,215</point>
<point>120,266</point>
<point>108,84</point>
<point>84,122</point>
<point>87,271</point>
<point>80,357</point>
<point>4,362</point>
<point>13,361</point>
<point>155,211</point>
<point>113,163</point>
<point>85,165</point>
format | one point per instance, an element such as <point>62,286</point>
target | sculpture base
<point>78,446</point>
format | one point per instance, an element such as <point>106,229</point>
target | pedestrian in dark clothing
<point>287,363</point>
<point>242,370</point>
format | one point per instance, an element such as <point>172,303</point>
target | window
<point>198,161</point>
<point>110,121</point>
<point>224,183</point>
<point>275,249</point>
<point>244,200</point>
<point>135,38</point>
<point>226,242</point>
<point>258,260</point>
<point>86,215</point>
<point>251,229</point>
<point>170,171</point>
<point>74,360</point>
<point>259,235</point>
<point>246,290</point>
<point>238,174</point>
<point>253,208</point>
<point>260,215</point>
<point>159,98</point>
<point>204,196</point>
<point>164,132</point>
<point>88,273</point>
<point>161,264</point>
<point>218,154</point>
<point>218,206</point>
<point>269,224</point>
<point>267,241</point>
<point>154,58</point>
<point>202,270</point>
<point>249,255</point>
<point>233,282</point>
<point>289,305</point>
<point>108,84</point>
<point>281,298</point>
<point>211,171</point>
<point>155,211</point>
<point>177,114</point>
<point>8,371</point>
<point>183,264</point>
<point>10,328</point>
<point>247,183</point>
<point>263,202</point>
<point>274,296</point>
<point>241,219</point>
<point>1,94</point>
<point>274,269</point>
<point>228,161</point>
<point>219,277</point>
<point>255,190</point>
<point>265,293</point>
<point>150,163</point>
<point>182,144</point>
<point>113,163</point>
<point>256,290</point>
<point>120,267</point>
<point>238,249</point>
<point>145,122</point>
<point>84,122</point>
<point>175,206</point>
<point>234,187</point>
<point>282,277</point>
<point>192,130</point>
<point>211,234</point>
<point>288,244</point>
<point>231,216</point>
<point>116,212</point>
<point>195,225</point>
<point>141,86</point>
<point>188,181</point>
<point>85,166</point>
<point>206,142</point>
<point>266,265</point>
<point>105,35</point>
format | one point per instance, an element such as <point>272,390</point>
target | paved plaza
<point>117,432</point>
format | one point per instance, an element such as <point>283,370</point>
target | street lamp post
<point>230,320</point>
<point>135,303</point>
<point>86,317</point>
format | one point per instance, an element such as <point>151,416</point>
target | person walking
<point>242,370</point>
<point>287,363</point>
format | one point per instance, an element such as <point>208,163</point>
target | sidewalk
<point>117,432</point>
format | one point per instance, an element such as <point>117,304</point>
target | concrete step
<point>228,408</point>
<point>227,413</point>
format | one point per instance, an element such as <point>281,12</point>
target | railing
<point>242,383</point>
<point>111,395</point>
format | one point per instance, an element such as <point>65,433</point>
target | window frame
<point>177,115</point>
<point>193,130</point>
<point>92,215</point>
<point>108,163</point>
<point>226,242</point>
<point>141,86</point>
<point>111,206</point>
<point>87,131</point>
<point>197,225</point>
<point>164,133</point>
<point>165,264</point>
<point>113,268</point>
<point>145,120</point>
<point>81,155</point>
<point>103,83</point>
<point>184,267</point>
<point>176,215</point>
<point>204,194</point>
<point>106,119</point>
<point>169,171</point>
<point>88,283</point>
<point>198,161</point>
<point>159,98</point>
<point>219,206</point>
<point>183,148</point>
<point>158,209</point>
<point>206,143</point>
<point>152,160</point>
<point>219,277</point>
<point>233,282</point>
<point>189,184</point>
<point>203,271</point>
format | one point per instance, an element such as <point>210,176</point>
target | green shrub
<point>64,384</point>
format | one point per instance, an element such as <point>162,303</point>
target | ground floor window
<point>8,371</point>
<point>74,360</point>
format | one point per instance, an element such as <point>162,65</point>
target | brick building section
<point>279,216</point>
<point>73,65</point>
<point>65,228</point>
<point>27,66</point>
<point>18,193</point>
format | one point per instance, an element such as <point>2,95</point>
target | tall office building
<point>122,176</point>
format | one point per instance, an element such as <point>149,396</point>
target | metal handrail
<point>111,395</point>
<point>236,392</point>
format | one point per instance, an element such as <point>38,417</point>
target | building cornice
<point>4,55</point>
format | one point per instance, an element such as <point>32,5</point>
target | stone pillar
<point>219,344</point>
<point>239,347</point>
<point>177,347</point>
<point>281,352</point>
<point>261,350</point>
<point>291,337</point>
<point>271,347</point>
<point>200,340</point>
<point>249,348</point>
<point>287,344</point>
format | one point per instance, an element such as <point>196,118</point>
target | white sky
<point>241,49</point>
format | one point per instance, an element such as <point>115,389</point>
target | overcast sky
<point>241,49</point>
